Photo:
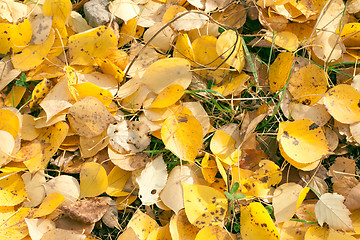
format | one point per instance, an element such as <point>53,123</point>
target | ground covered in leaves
<point>180,119</point>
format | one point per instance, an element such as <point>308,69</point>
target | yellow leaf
<point>15,37</point>
<point>308,7</point>
<point>308,84</point>
<point>30,150</point>
<point>316,233</point>
<point>57,8</point>
<point>166,72</point>
<point>93,180</point>
<point>304,141</point>
<point>89,117</point>
<point>129,31</point>
<point>301,166</point>
<point>183,48</point>
<point>85,46</point>
<point>171,12</point>
<point>204,206</point>
<point>12,189</point>
<point>168,96</point>
<point>279,71</point>
<point>256,223</point>
<point>33,55</point>
<point>355,218</point>
<point>223,145</point>
<point>258,180</point>
<point>182,134</point>
<point>89,89</point>
<point>9,122</point>
<point>350,34</point>
<point>333,234</point>
<point>292,230</point>
<point>342,102</point>
<point>54,136</point>
<point>49,204</point>
<point>14,96</point>
<point>221,168</point>
<point>108,67</point>
<point>229,47</point>
<point>234,85</point>
<point>14,227</point>
<point>284,39</point>
<point>160,233</point>
<point>208,168</point>
<point>181,228</point>
<point>117,179</point>
<point>40,91</point>
<point>214,233</point>
<point>142,224</point>
<point>61,36</point>
<point>205,54</point>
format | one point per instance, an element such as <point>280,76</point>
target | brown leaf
<point>89,210</point>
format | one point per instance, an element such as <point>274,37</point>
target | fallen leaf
<point>124,9</point>
<point>96,42</point>
<point>304,141</point>
<point>149,191</point>
<point>182,134</point>
<point>191,20</point>
<point>331,209</point>
<point>117,179</point>
<point>52,137</point>
<point>65,185</point>
<point>181,228</point>
<point>58,234</point>
<point>89,210</point>
<point>93,180</point>
<point>308,84</point>
<point>142,224</point>
<point>341,102</point>
<point>256,223</point>
<point>351,199</point>
<point>50,203</point>
<point>33,55</point>
<point>287,198</point>
<point>89,117</point>
<point>37,227</point>
<point>128,136</point>
<point>204,206</point>
<point>34,187</point>
<point>12,189</point>
<point>214,233</point>
<point>172,193</point>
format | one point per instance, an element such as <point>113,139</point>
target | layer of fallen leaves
<point>86,113</point>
